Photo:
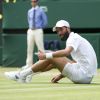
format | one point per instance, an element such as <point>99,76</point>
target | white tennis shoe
<point>15,75</point>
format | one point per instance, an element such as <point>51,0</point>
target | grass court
<point>42,89</point>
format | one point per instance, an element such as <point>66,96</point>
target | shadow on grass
<point>50,83</point>
<point>64,83</point>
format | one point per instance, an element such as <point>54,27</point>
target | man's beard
<point>65,37</point>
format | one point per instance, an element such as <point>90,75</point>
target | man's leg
<point>45,65</point>
<point>39,39</point>
<point>30,47</point>
<point>60,62</point>
<point>40,66</point>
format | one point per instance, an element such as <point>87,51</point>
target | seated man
<point>79,70</point>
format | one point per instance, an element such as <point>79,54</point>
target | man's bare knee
<point>59,62</point>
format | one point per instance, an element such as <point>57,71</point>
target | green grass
<point>42,89</point>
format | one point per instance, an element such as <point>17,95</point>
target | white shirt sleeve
<point>73,42</point>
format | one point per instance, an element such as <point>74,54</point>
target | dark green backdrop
<point>0,34</point>
<point>14,51</point>
<point>0,48</point>
<point>80,13</point>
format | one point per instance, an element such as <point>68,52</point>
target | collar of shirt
<point>35,7</point>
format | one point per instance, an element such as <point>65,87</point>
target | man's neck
<point>35,6</point>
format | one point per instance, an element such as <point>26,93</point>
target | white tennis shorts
<point>76,74</point>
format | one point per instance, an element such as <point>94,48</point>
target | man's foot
<point>29,77</point>
<point>15,75</point>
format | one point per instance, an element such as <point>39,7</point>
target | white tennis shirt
<point>83,53</point>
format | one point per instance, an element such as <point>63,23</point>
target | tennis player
<point>81,69</point>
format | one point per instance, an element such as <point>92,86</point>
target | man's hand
<point>41,55</point>
<point>57,78</point>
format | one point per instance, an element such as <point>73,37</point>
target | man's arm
<point>64,52</point>
<point>44,18</point>
<point>59,53</point>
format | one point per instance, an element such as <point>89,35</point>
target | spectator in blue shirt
<point>37,20</point>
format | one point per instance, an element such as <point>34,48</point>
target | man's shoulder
<point>73,36</point>
<point>41,9</point>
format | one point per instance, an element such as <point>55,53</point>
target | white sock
<point>26,72</point>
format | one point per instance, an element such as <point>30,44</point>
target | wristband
<point>49,55</point>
